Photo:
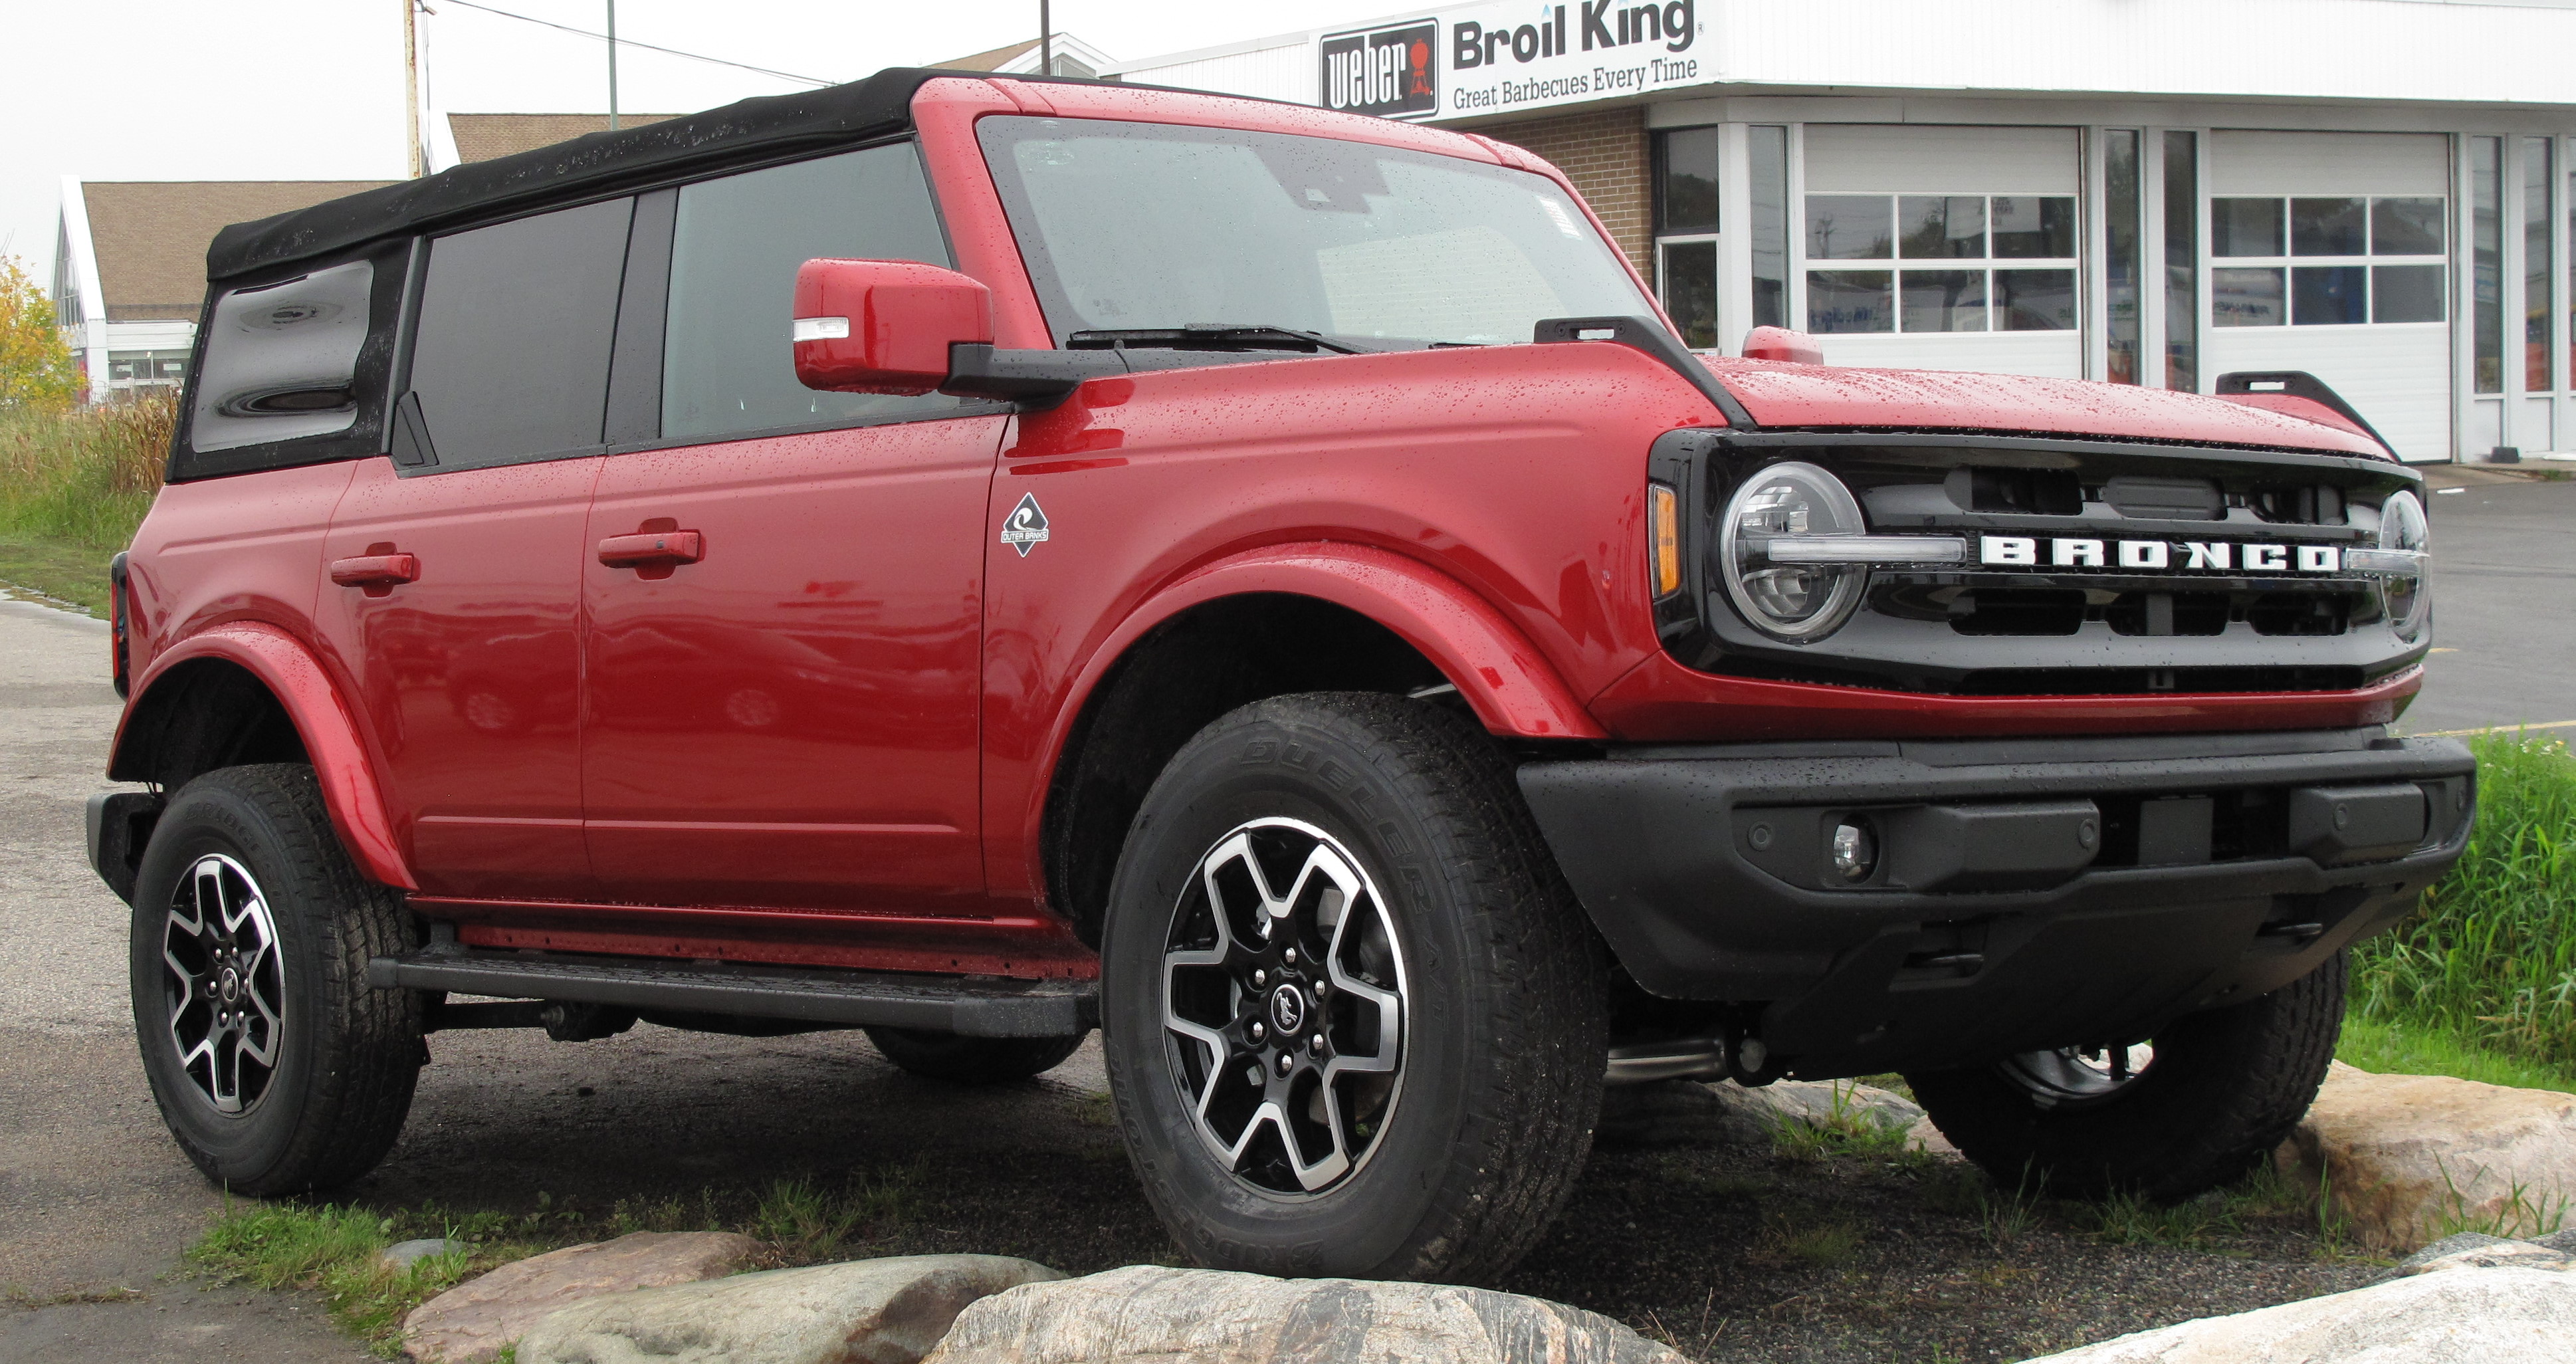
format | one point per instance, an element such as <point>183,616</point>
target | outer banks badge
<point>1026,526</point>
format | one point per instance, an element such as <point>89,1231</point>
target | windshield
<point>1130,226</point>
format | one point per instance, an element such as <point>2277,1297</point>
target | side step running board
<point>971,1006</point>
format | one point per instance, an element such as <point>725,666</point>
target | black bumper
<point>2027,893</point>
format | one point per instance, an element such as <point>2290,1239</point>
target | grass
<point>2489,964</point>
<point>73,486</point>
<point>2405,1049</point>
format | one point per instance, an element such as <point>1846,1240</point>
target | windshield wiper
<point>1209,336</point>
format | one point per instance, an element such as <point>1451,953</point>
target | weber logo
<point>1387,71</point>
<point>2156,556</point>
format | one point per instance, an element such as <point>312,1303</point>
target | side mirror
<point>884,326</point>
<point>1780,343</point>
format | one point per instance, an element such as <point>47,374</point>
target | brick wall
<point>1604,154</point>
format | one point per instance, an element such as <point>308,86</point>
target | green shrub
<point>84,476</point>
<point>2490,961</point>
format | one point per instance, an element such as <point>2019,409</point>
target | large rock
<point>1692,1113</point>
<point>2490,1316</point>
<point>888,1311</point>
<point>1145,1314</point>
<point>2406,1158</point>
<point>472,1322</point>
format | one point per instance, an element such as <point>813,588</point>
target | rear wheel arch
<point>242,694</point>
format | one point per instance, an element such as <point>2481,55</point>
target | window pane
<point>2486,263</point>
<point>1690,291</point>
<point>1849,301</point>
<point>2328,295</point>
<point>2035,300</point>
<point>2245,227</point>
<point>728,364</point>
<point>2182,262</point>
<point>2406,227</point>
<point>2327,227</point>
<point>1848,227</point>
<point>1935,226</point>
<point>2029,227</point>
<point>1767,158</point>
<point>510,359</point>
<point>2121,266</point>
<point>1941,301</point>
<point>2406,293</point>
<point>1686,181</point>
<point>2246,298</point>
<point>2537,268</point>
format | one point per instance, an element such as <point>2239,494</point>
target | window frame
<point>2287,261</point>
<point>376,378</point>
<point>1896,264</point>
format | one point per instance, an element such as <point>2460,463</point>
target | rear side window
<point>292,371</point>
<point>510,356</point>
<point>728,361</point>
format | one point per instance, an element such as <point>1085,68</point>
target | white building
<point>2147,191</point>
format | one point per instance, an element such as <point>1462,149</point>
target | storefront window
<point>2337,269</point>
<point>2182,262</point>
<point>1767,163</point>
<point>1930,242</point>
<point>1686,208</point>
<point>1690,291</point>
<point>2538,267</point>
<point>2486,263</point>
<point>2120,252</point>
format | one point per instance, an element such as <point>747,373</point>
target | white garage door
<point>2328,253</point>
<point>1943,247</point>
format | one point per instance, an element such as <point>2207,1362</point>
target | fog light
<point>1855,850</point>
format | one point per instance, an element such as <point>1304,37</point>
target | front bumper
<point>2030,892</point>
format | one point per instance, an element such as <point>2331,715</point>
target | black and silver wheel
<point>2192,1108</point>
<point>960,1060</point>
<point>275,1065</point>
<point>1353,1020</point>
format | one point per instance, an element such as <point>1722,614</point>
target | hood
<point>1790,395</point>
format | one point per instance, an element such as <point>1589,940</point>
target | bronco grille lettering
<point>2198,556</point>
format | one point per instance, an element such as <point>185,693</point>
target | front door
<point>455,565</point>
<point>784,600</point>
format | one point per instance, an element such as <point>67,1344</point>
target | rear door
<point>455,565</point>
<point>783,712</point>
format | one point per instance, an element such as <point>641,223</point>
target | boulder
<point>1693,1113</point>
<point>2491,1252</point>
<point>2406,1158</point>
<point>1197,1316</point>
<point>889,1311</point>
<point>2494,1316</point>
<point>472,1322</point>
<point>1925,1137</point>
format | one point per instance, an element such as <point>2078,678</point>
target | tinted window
<point>1686,184</point>
<point>729,365</point>
<point>511,356</point>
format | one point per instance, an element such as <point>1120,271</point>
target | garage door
<point>2328,253</point>
<point>1943,247</point>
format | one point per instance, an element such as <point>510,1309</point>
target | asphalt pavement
<point>96,1205</point>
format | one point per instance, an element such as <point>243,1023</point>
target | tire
<point>2222,1089</point>
<point>972,1060</point>
<point>1462,1005</point>
<point>310,1088</point>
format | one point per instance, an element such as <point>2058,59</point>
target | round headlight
<point>2402,527</point>
<point>1795,602</point>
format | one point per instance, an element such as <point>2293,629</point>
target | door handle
<point>376,570</point>
<point>655,547</point>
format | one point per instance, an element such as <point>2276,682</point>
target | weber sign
<point>1388,71</point>
<point>1513,55</point>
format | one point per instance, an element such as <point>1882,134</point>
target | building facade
<point>2158,192</point>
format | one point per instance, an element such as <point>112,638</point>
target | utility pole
<point>612,65</point>
<point>411,84</point>
<point>1046,41</point>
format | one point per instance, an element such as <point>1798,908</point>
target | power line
<point>650,47</point>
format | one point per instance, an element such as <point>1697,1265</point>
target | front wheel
<point>2196,1107</point>
<point>277,1068</point>
<point>1354,1020</point>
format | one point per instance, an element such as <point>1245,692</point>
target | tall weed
<point>85,476</point>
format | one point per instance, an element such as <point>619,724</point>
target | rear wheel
<point>1353,1019</point>
<point>972,1060</point>
<point>275,1065</point>
<point>2195,1107</point>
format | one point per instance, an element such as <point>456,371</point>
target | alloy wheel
<point>1284,1007</point>
<point>2075,1077</point>
<point>223,984</point>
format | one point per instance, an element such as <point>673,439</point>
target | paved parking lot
<point>93,1198</point>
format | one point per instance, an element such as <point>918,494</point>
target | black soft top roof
<point>590,164</point>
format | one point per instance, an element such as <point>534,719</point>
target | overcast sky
<point>312,89</point>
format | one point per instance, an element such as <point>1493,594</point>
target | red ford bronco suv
<point>980,559</point>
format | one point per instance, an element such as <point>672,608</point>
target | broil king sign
<point>1503,56</point>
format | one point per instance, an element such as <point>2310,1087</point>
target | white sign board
<point>1504,57</point>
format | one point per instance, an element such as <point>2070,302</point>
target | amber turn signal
<point>1664,518</point>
